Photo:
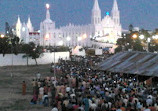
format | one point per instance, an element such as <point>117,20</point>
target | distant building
<point>109,28</point>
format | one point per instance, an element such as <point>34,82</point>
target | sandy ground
<point>11,98</point>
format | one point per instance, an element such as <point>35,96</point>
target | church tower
<point>47,13</point>
<point>25,33</point>
<point>115,13</point>
<point>29,25</point>
<point>46,28</point>
<point>96,13</point>
<point>18,27</point>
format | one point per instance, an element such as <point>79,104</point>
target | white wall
<point>98,52</point>
<point>47,58</point>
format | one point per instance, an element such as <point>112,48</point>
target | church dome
<point>48,21</point>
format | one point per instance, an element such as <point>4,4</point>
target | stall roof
<point>141,63</point>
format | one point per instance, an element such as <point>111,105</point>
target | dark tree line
<point>11,44</point>
<point>136,44</point>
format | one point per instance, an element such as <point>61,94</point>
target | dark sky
<point>142,13</point>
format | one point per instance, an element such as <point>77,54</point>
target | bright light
<point>68,38</point>
<point>134,36</point>
<point>148,39</point>
<point>79,38</point>
<point>47,6</point>
<point>59,35</point>
<point>141,36</point>
<point>47,37</point>
<point>107,13</point>
<point>84,36</point>
<point>155,37</point>
<point>61,43</point>
<point>23,29</point>
<point>2,36</point>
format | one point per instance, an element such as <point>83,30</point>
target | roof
<point>34,33</point>
<point>141,63</point>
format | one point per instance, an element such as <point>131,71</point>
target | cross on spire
<point>47,13</point>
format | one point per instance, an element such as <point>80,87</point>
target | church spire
<point>96,5</point>
<point>29,20</point>
<point>115,13</point>
<point>47,13</point>
<point>29,25</point>
<point>18,27</point>
<point>115,6</point>
<point>96,13</point>
<point>18,21</point>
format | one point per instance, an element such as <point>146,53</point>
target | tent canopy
<point>141,63</point>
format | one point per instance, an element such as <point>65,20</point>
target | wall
<point>98,52</point>
<point>47,58</point>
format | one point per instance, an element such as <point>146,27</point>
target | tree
<point>128,42</point>
<point>26,49</point>
<point>130,27</point>
<point>32,51</point>
<point>7,28</point>
<point>36,53</point>
<point>14,41</point>
<point>137,45</point>
<point>4,45</point>
<point>145,33</point>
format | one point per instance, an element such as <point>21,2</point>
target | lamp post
<point>11,42</point>
<point>134,37</point>
<point>60,44</point>
<point>124,43</point>
<point>54,61</point>
<point>148,41</point>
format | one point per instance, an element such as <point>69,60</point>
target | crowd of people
<point>79,88</point>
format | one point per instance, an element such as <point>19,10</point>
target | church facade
<point>101,30</point>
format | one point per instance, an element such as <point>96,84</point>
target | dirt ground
<point>11,98</point>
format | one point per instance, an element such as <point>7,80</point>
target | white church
<point>101,32</point>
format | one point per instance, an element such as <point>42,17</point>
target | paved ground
<point>11,98</point>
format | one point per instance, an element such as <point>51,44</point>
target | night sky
<point>141,13</point>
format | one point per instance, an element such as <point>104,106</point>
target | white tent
<point>79,51</point>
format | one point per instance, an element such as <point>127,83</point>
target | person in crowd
<point>79,88</point>
<point>34,99</point>
<point>54,108</point>
<point>38,75</point>
<point>45,100</point>
<point>23,88</point>
<point>41,94</point>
